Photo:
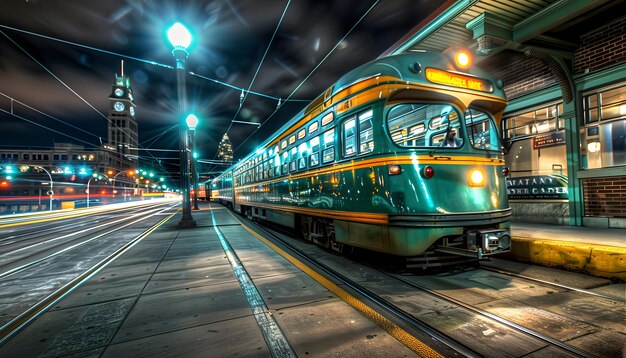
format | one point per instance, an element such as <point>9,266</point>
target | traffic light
<point>110,172</point>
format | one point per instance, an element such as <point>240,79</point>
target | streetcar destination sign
<point>458,80</point>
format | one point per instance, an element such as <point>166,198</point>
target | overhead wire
<point>259,66</point>
<point>311,73</point>
<point>48,128</point>
<point>47,115</point>
<point>126,132</point>
<point>150,62</point>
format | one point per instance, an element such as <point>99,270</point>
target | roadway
<point>43,255</point>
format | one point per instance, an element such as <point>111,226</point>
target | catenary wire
<point>311,73</point>
<point>259,66</point>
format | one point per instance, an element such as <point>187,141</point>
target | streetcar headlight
<point>394,169</point>
<point>476,178</point>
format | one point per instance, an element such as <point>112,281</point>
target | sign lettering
<point>458,80</point>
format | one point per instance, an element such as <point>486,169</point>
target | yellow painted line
<point>18,323</point>
<point>414,344</point>
<point>597,260</point>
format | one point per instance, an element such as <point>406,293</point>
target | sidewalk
<point>600,252</point>
<point>175,293</point>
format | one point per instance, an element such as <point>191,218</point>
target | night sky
<point>230,39</point>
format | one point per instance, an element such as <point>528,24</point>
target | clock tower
<point>122,130</point>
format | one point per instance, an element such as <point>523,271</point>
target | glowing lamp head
<point>179,36</point>
<point>192,121</point>
<point>110,172</point>
<point>476,178</point>
<point>463,59</point>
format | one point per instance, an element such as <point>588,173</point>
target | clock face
<point>132,111</point>
<point>119,92</point>
<point>118,106</point>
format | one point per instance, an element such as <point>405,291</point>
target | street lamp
<point>180,38</point>
<point>51,192</point>
<point>89,181</point>
<point>192,123</point>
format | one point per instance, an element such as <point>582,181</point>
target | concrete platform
<point>599,252</point>
<point>175,293</point>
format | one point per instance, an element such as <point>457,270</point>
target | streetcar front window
<point>425,125</point>
<point>481,130</point>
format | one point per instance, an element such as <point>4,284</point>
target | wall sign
<point>549,140</point>
<point>538,187</point>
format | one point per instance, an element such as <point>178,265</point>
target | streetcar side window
<point>366,137</point>
<point>285,166</point>
<point>349,137</point>
<point>294,157</point>
<point>328,152</point>
<point>314,158</point>
<point>303,149</point>
<point>358,135</point>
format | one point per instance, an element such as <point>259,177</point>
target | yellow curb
<point>597,260</point>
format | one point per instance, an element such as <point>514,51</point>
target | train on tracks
<point>401,155</point>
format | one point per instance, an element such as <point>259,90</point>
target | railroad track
<point>376,286</point>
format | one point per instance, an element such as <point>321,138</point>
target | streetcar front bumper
<point>480,243</point>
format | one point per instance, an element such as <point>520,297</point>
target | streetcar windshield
<point>481,130</point>
<point>425,125</point>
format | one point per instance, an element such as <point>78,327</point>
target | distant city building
<point>225,149</point>
<point>24,172</point>
<point>122,128</point>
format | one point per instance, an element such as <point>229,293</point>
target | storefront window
<point>536,142</point>
<point>540,120</point>
<point>603,137</point>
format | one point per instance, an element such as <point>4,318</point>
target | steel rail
<point>398,313</point>
<point>565,287</point>
<point>504,321</point>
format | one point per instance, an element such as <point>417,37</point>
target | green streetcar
<point>402,155</point>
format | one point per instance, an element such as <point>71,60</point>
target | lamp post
<point>114,187</point>
<point>89,181</point>
<point>51,193</point>
<point>180,38</point>
<point>192,123</point>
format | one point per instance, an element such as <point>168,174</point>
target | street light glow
<point>192,122</point>
<point>179,36</point>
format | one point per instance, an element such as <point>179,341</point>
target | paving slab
<point>289,290</point>
<point>179,309</point>
<point>190,277</point>
<point>331,328</point>
<point>238,337</point>
<point>69,331</point>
